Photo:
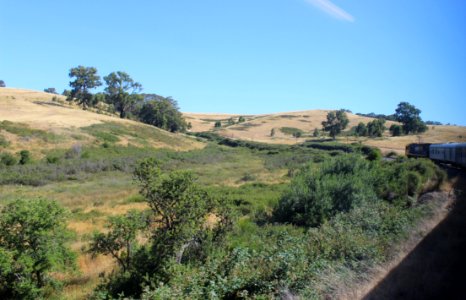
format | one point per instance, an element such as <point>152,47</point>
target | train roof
<point>449,145</point>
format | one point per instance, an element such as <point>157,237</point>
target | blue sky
<point>250,56</point>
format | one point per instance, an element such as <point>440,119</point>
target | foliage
<point>396,130</point>
<point>218,124</point>
<point>336,122</point>
<point>24,130</point>
<point>7,159</point>
<point>376,127</point>
<point>179,210</point>
<point>4,142</point>
<point>163,113</point>
<point>33,239</point>
<point>272,132</point>
<point>25,157</point>
<point>361,129</point>
<point>2,83</point>
<point>51,91</point>
<point>121,92</point>
<point>86,78</point>
<point>316,132</point>
<point>241,119</point>
<point>119,240</point>
<point>316,195</point>
<point>291,131</point>
<point>409,115</point>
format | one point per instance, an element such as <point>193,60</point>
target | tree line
<point>123,95</point>
<point>407,114</point>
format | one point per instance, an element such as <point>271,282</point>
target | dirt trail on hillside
<point>436,266</point>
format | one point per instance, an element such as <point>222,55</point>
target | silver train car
<point>454,153</point>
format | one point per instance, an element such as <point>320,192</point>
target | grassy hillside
<point>37,121</point>
<point>85,160</point>
<point>258,128</point>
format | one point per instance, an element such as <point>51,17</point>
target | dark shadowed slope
<point>436,268</point>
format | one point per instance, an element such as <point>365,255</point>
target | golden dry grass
<point>38,111</point>
<point>258,128</point>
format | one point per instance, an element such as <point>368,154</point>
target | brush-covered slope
<point>259,128</point>
<point>37,121</point>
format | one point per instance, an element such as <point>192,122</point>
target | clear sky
<point>250,56</point>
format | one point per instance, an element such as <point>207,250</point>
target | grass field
<point>85,161</point>
<point>258,128</point>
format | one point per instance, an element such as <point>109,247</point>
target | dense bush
<point>315,195</point>
<point>25,157</point>
<point>318,193</point>
<point>7,159</point>
<point>33,238</point>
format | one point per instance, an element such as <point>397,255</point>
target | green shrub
<point>4,142</point>
<point>374,154</point>
<point>52,159</point>
<point>7,159</point>
<point>25,157</point>
<point>315,195</point>
<point>291,131</point>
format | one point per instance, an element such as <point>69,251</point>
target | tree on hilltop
<point>2,83</point>
<point>51,91</point>
<point>122,91</point>
<point>163,113</point>
<point>86,78</point>
<point>336,122</point>
<point>409,116</point>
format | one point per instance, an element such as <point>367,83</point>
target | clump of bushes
<point>340,184</point>
<point>7,159</point>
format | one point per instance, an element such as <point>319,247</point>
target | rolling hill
<point>34,121</point>
<point>258,128</point>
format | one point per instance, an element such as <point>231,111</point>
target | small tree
<point>396,130</point>
<point>218,124</point>
<point>51,91</point>
<point>33,239</point>
<point>241,119</point>
<point>272,132</point>
<point>231,121</point>
<point>86,78</point>
<point>316,132</point>
<point>375,128</point>
<point>120,239</point>
<point>409,116</point>
<point>25,157</point>
<point>181,206</point>
<point>163,113</point>
<point>361,129</point>
<point>336,122</point>
<point>2,83</point>
<point>121,91</point>
<point>297,134</point>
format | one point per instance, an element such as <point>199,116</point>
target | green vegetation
<point>163,113</point>
<point>396,130</point>
<point>86,78</point>
<point>121,91</point>
<point>291,131</point>
<point>336,122</point>
<point>25,131</point>
<point>33,239</point>
<point>409,116</point>
<point>236,219</point>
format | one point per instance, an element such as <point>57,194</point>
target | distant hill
<point>258,128</point>
<point>35,121</point>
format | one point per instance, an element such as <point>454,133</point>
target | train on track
<point>452,153</point>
